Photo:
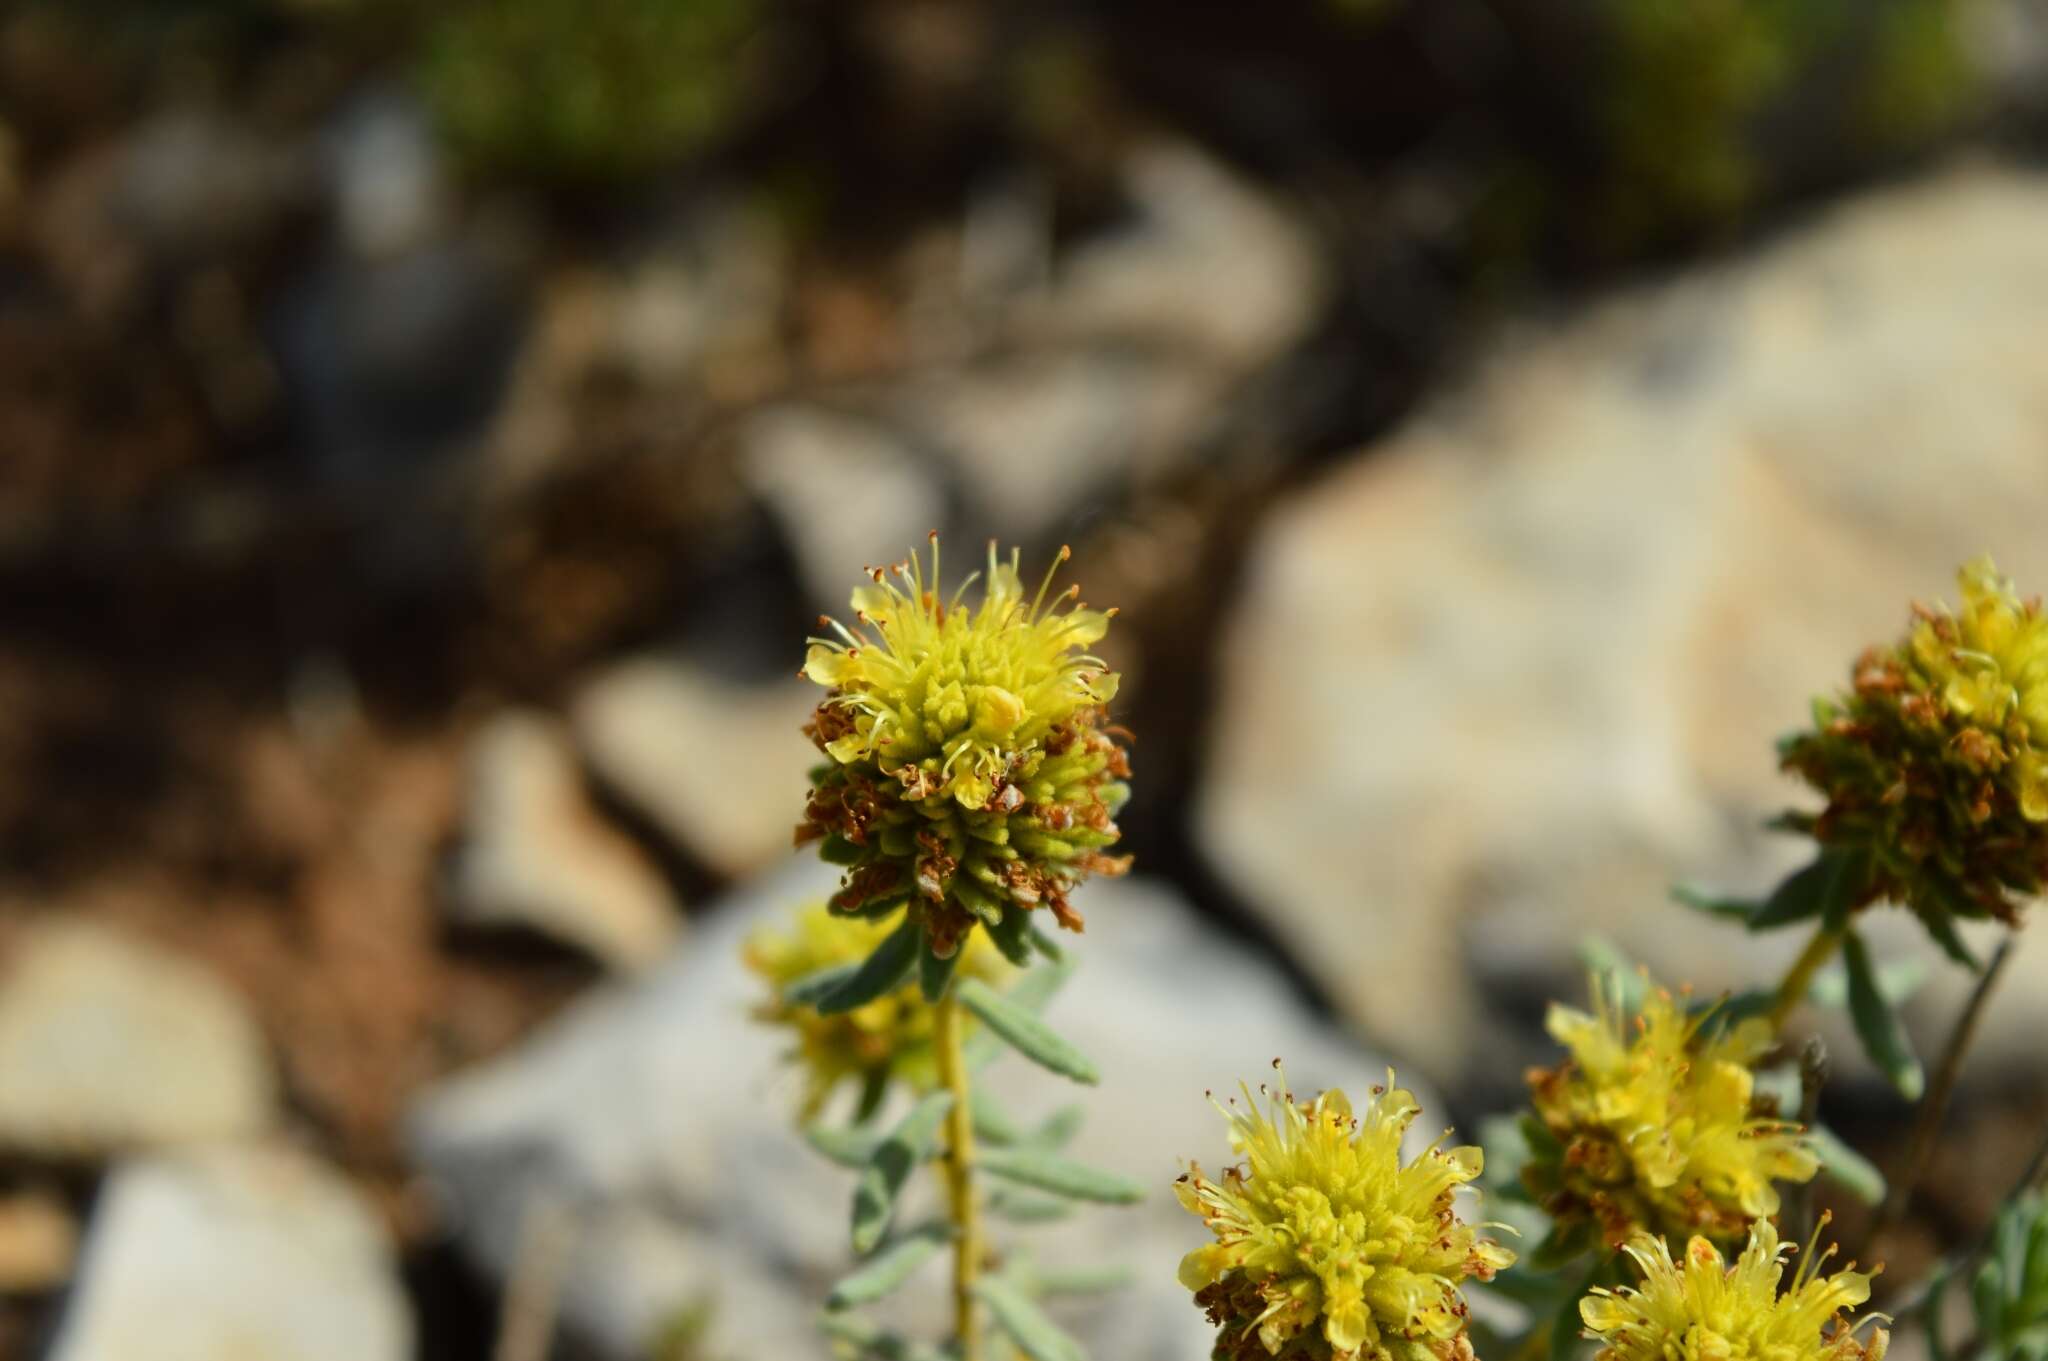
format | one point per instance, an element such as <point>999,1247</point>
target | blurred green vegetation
<point>561,89</point>
<point>1605,130</point>
<point>1688,93</point>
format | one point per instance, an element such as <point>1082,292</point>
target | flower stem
<point>1934,1106</point>
<point>959,1173</point>
<point>1799,977</point>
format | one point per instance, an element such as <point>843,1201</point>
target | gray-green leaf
<point>934,973</point>
<point>1031,992</point>
<point>1877,1025</point>
<point>874,1199</point>
<point>1059,1127</point>
<point>1846,1167</point>
<point>1021,1207</point>
<point>991,1122</point>
<point>853,1148</point>
<point>1037,1336</point>
<point>889,1268</point>
<point>1085,1280</point>
<point>875,1343</point>
<point>1897,981</point>
<point>1025,1033</point>
<point>880,973</point>
<point>809,990</point>
<point>1061,1176</point>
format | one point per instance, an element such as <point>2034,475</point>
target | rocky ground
<point>401,584</point>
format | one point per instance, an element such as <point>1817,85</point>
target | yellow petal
<point>828,665</point>
<point>1200,1268</point>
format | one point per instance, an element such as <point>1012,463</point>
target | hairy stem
<point>1934,1106</point>
<point>959,1172</point>
<point>1799,977</point>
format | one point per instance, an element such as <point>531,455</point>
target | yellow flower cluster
<point>1934,764</point>
<point>888,1039</point>
<point>1704,1310</point>
<point>1327,1245</point>
<point>970,775</point>
<point>1654,1123</point>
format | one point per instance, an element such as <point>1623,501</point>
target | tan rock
<point>536,853</point>
<point>110,1044</point>
<point>38,1242</point>
<point>1502,678</point>
<point>719,766</point>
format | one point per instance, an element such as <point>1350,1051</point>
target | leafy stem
<point>959,1172</point>
<point>1934,1110</point>
<point>1799,977</point>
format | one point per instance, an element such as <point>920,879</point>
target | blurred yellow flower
<point>1327,1246</point>
<point>1654,1123</point>
<point>886,1040</point>
<point>970,774</point>
<point>1704,1310</point>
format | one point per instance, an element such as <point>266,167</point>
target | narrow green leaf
<point>880,973</point>
<point>1741,1005</point>
<point>874,1090</point>
<point>1843,880</point>
<point>889,1268</point>
<point>1030,992</point>
<point>1061,1176</point>
<point>1877,1025</point>
<point>877,909</point>
<point>853,1148</point>
<point>1846,1167</point>
<point>1028,1035</point>
<point>1047,946</point>
<point>986,907</point>
<point>1087,1280</point>
<point>991,1122</point>
<point>1804,893</point>
<point>1059,1128</point>
<point>837,850</point>
<point>874,1199</point>
<point>1009,936</point>
<point>1930,1311</point>
<point>2009,1250</point>
<point>1037,1336</point>
<point>1897,980</point>
<point>874,1342</point>
<point>806,991</point>
<point>2034,1275</point>
<point>1941,925</point>
<point>934,974</point>
<point>1988,1299</point>
<point>1021,1207</point>
<point>1714,904</point>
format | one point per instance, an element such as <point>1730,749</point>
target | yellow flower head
<point>888,1039</point>
<point>1935,763</point>
<point>1704,1310</point>
<point>969,773</point>
<point>1654,1123</point>
<point>1327,1246</point>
